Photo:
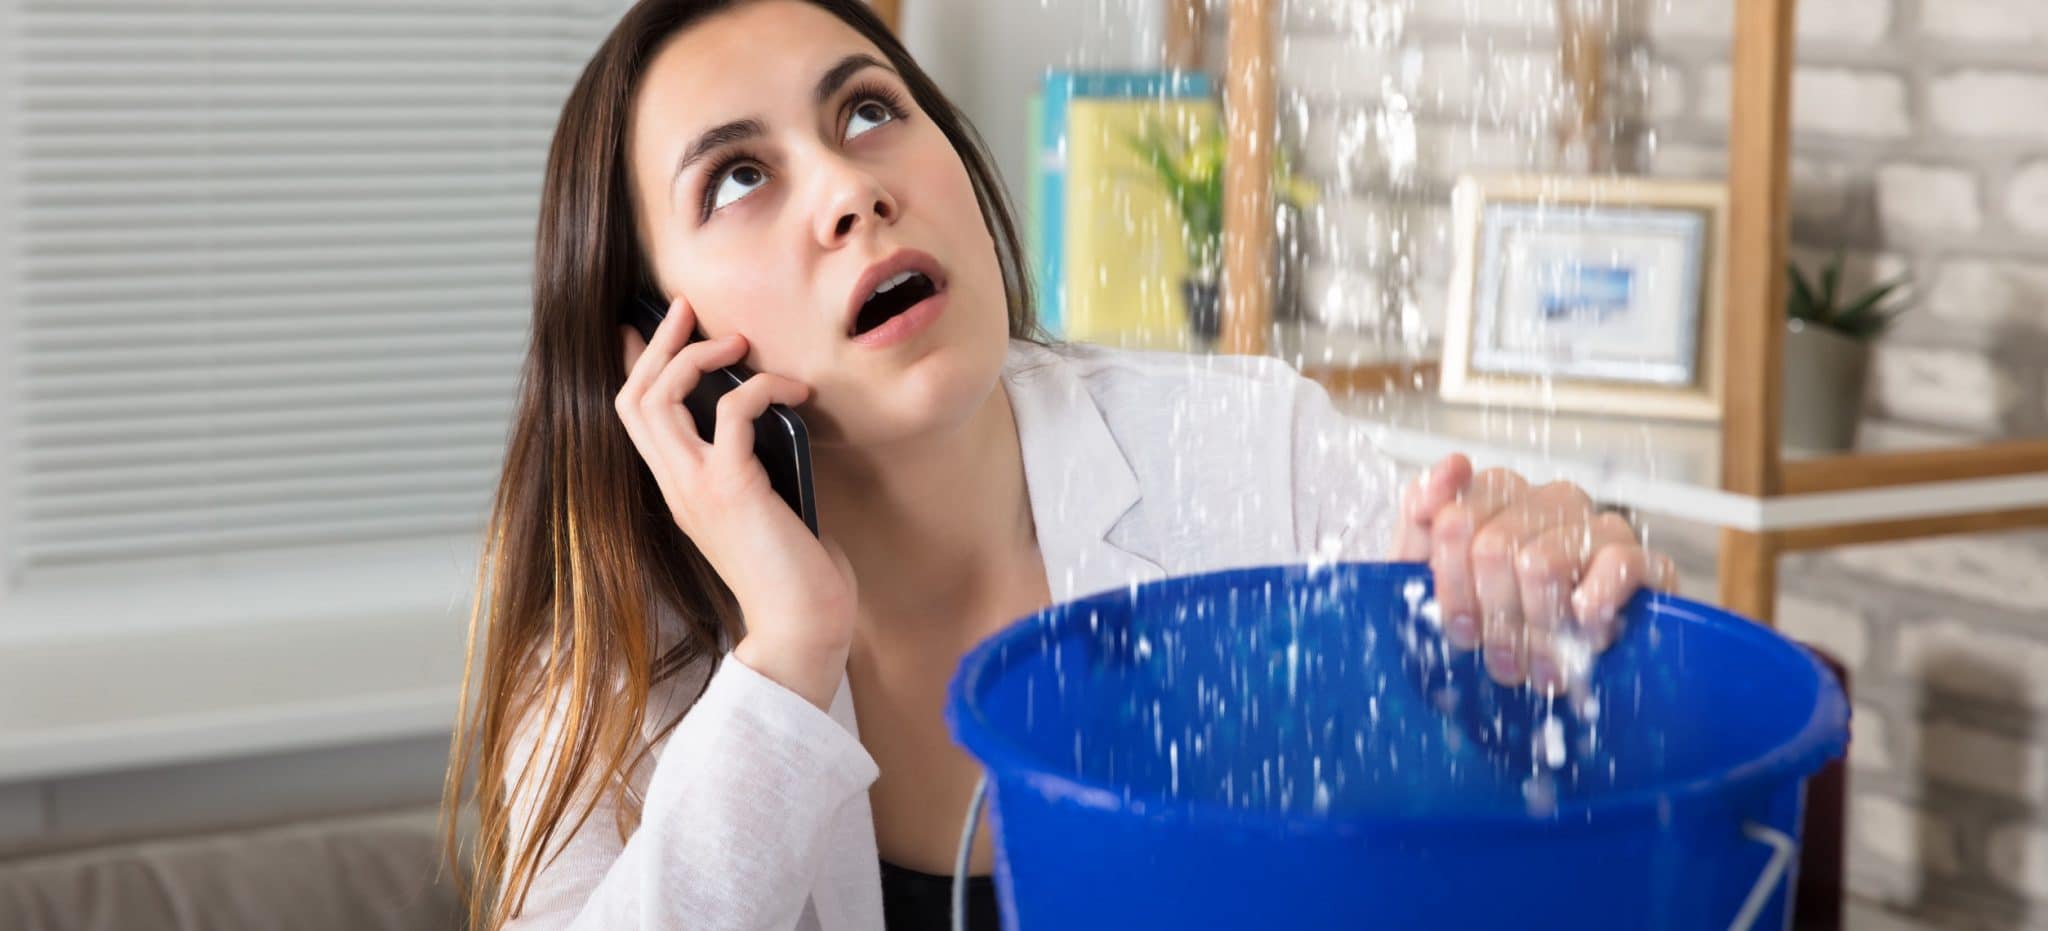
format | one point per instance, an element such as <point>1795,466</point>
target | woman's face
<point>770,234</point>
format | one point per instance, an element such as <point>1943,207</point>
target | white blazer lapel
<point>1079,481</point>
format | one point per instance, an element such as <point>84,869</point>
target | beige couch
<point>377,872</point>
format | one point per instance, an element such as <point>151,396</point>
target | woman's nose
<point>854,199</point>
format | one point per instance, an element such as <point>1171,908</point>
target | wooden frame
<point>1699,400</point>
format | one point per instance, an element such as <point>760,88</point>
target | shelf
<point>1673,468</point>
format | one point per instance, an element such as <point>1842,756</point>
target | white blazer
<point>1139,465</point>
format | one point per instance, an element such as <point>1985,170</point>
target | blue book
<point>1049,167</point>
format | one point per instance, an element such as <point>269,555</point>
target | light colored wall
<point>988,56</point>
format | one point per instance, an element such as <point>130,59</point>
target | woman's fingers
<point>681,375</point>
<point>1497,571</point>
<point>1545,569</point>
<point>680,319</point>
<point>1452,535</point>
<point>1617,570</point>
<point>677,445</point>
<point>1500,604</point>
<point>1615,557</point>
<point>740,406</point>
<point>1422,504</point>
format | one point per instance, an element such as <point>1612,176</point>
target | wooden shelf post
<point>1249,112</point>
<point>1759,134</point>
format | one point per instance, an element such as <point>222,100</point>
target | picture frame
<point>1599,294</point>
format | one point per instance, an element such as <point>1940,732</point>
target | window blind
<point>273,264</point>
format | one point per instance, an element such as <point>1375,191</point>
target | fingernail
<point>1502,661</point>
<point>1464,631</point>
<point>1542,672</point>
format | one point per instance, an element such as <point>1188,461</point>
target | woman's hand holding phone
<point>796,591</point>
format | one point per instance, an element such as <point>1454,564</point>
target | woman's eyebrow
<point>725,134</point>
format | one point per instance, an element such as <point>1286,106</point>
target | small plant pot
<point>1203,300</point>
<point>1824,385</point>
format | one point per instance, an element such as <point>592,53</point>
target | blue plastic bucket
<point>1295,747</point>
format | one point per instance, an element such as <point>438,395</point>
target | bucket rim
<point>1821,737</point>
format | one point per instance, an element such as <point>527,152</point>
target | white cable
<point>1782,848</point>
<point>966,848</point>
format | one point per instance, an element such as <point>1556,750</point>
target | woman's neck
<point>931,524</point>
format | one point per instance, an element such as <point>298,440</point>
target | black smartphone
<point>779,438</point>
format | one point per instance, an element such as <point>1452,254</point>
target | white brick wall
<point>1857,103</point>
<point>1326,66</point>
<point>1987,762</point>
<point>1994,570</point>
<point>1840,22</point>
<point>1870,739</point>
<point>1905,836</point>
<point>1823,22</point>
<point>1527,15</point>
<point>1999,104</point>
<point>1966,659</point>
<point>2026,196</point>
<point>1956,387</point>
<point>1820,189</point>
<point>1838,629</point>
<point>1927,199</point>
<point>1992,22</point>
<point>1998,293</point>
<point>1704,20</point>
<point>2018,857</point>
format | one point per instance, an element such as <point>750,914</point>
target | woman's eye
<point>750,176</point>
<point>873,111</point>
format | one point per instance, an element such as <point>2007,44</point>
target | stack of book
<point>1107,243</point>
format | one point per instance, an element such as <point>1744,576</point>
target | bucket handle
<point>1782,848</point>
<point>967,848</point>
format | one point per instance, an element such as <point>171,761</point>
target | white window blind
<point>271,280</point>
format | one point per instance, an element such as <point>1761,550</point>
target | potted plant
<point>1827,354</point>
<point>1189,166</point>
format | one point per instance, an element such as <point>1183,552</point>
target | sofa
<point>380,871</point>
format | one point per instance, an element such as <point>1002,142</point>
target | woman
<point>662,732</point>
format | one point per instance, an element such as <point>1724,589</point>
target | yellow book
<point>1125,257</point>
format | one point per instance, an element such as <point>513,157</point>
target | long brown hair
<point>580,555</point>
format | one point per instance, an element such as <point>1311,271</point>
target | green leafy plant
<point>1863,317</point>
<point>1189,166</point>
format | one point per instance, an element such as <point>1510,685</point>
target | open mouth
<point>900,293</point>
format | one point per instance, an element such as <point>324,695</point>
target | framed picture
<point>1593,293</point>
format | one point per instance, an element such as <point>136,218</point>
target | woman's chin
<point>941,390</point>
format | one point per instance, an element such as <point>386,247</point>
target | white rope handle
<point>966,848</point>
<point>1782,848</point>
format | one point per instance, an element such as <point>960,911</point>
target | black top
<point>914,901</point>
